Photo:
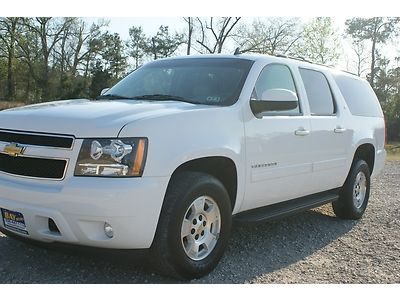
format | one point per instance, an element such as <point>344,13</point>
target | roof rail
<point>351,73</point>
<point>293,57</point>
<point>314,63</point>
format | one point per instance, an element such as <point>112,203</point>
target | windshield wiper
<point>150,97</point>
<point>162,97</point>
<point>113,97</point>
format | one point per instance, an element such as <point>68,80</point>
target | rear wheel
<point>354,195</point>
<point>194,226</point>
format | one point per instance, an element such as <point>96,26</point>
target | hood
<point>84,118</point>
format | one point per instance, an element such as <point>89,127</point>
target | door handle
<point>302,132</point>
<point>339,129</point>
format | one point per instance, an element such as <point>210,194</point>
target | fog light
<point>108,230</point>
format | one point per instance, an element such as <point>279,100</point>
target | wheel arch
<point>221,167</point>
<point>366,152</point>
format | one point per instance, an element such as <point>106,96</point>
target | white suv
<point>170,155</point>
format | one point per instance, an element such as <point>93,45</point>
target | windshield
<point>211,81</point>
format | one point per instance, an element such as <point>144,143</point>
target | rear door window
<point>318,92</point>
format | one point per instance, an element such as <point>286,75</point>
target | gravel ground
<point>311,247</point>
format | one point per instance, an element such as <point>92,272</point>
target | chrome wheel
<point>201,227</point>
<point>359,190</point>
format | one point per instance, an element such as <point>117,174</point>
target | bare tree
<point>90,41</point>
<point>269,36</point>
<point>377,30</point>
<point>362,56</point>
<point>48,33</point>
<point>320,42</point>
<point>8,35</point>
<point>190,23</point>
<point>136,45</point>
<point>164,43</point>
<point>64,50</point>
<point>219,30</point>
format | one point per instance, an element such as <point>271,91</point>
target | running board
<point>286,208</point>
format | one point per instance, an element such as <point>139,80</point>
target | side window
<point>275,76</point>
<point>359,96</point>
<point>318,92</point>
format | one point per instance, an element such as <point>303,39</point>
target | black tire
<point>350,205</point>
<point>167,251</point>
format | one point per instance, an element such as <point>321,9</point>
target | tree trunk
<point>10,75</point>
<point>44,77</point>
<point>153,42</point>
<point>372,76</point>
<point>10,63</point>
<point>190,33</point>
<point>44,82</point>
<point>62,65</point>
<point>376,32</point>
<point>86,73</point>
<point>219,47</point>
<point>137,57</point>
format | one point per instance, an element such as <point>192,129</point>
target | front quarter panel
<point>185,136</point>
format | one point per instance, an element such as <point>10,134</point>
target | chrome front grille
<point>37,139</point>
<point>33,155</point>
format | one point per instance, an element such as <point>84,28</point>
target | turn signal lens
<point>137,166</point>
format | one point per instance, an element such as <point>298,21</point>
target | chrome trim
<point>41,134</point>
<point>32,156</point>
<point>38,156</point>
<point>41,178</point>
<point>3,144</point>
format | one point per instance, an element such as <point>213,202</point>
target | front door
<point>279,163</point>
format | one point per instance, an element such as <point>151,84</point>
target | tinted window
<point>212,81</point>
<point>318,92</point>
<point>275,76</point>
<point>359,96</point>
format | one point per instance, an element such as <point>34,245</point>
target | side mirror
<point>103,91</point>
<point>274,100</point>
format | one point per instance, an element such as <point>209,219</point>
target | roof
<point>297,61</point>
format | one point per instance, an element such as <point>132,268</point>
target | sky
<point>123,14</point>
<point>150,26</point>
<point>178,8</point>
<point>174,8</point>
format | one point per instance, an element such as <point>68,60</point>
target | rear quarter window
<point>359,96</point>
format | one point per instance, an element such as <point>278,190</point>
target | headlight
<point>120,157</point>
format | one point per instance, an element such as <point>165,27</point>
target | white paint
<point>273,163</point>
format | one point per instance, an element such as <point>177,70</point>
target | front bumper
<point>80,206</point>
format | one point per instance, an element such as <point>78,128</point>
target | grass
<point>393,151</point>
<point>10,104</point>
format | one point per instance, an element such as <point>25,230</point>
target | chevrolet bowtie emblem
<point>14,150</point>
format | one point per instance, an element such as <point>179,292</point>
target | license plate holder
<point>14,221</point>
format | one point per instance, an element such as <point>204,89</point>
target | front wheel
<point>194,226</point>
<point>353,198</point>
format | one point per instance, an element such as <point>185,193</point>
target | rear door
<point>330,132</point>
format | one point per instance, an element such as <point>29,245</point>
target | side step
<point>286,208</point>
